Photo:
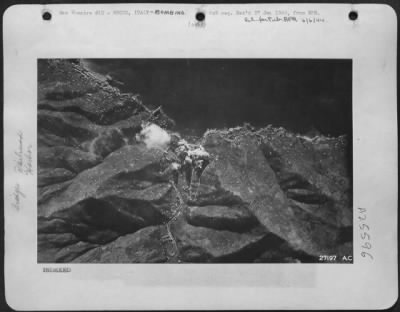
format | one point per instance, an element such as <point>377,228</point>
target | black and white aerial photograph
<point>194,161</point>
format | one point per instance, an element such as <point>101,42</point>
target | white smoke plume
<point>155,137</point>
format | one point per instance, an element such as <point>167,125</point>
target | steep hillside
<point>264,195</point>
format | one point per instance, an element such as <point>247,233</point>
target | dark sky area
<point>298,94</point>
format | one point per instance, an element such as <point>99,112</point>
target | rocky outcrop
<point>265,195</point>
<point>289,192</point>
<point>86,161</point>
<point>320,181</point>
<point>205,244</point>
<point>121,195</point>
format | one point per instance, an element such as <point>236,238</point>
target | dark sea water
<point>304,96</point>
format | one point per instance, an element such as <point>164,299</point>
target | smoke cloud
<point>155,137</point>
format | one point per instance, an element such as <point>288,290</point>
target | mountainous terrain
<point>267,195</point>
